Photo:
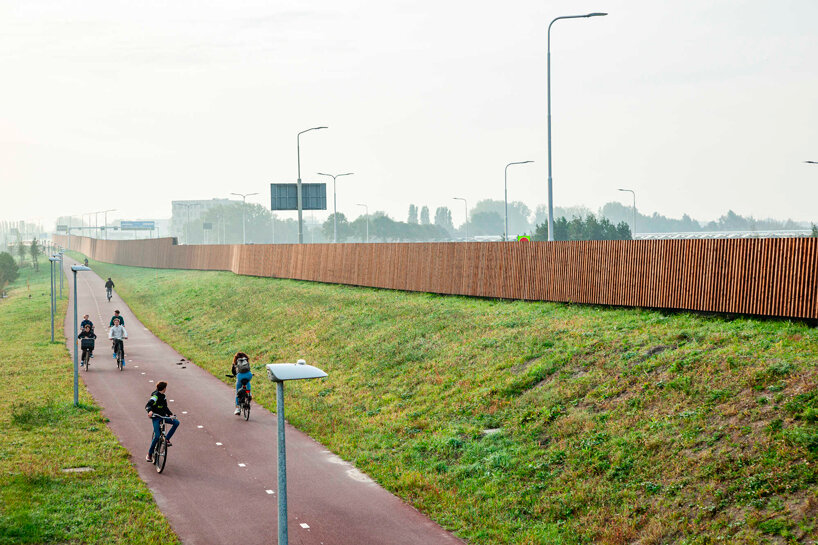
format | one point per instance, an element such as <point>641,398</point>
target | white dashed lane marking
<point>218,444</point>
<point>305,525</point>
<point>184,412</point>
<point>200,427</point>
<point>269,491</point>
<point>242,465</point>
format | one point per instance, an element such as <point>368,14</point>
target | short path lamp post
<point>76,269</point>
<point>278,373</point>
<point>61,273</point>
<point>53,260</point>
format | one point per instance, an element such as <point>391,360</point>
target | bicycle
<point>120,353</point>
<point>87,346</point>
<point>245,397</point>
<point>109,294</point>
<point>160,451</point>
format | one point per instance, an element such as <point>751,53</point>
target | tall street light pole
<point>298,189</point>
<point>550,191</point>
<point>633,224</point>
<point>243,206</point>
<point>812,162</point>
<point>466,206</point>
<point>52,261</point>
<point>334,203</point>
<point>366,208</point>
<point>505,233</point>
<point>76,269</point>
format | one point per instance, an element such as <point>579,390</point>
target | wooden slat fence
<point>770,277</point>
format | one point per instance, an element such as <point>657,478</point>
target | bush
<point>8,269</point>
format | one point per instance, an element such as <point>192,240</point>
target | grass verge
<point>527,422</point>
<point>44,434</point>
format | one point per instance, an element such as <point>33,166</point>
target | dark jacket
<point>121,320</point>
<point>158,404</point>
<point>86,322</point>
<point>90,334</point>
<point>109,284</point>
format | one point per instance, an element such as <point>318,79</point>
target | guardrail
<point>769,277</point>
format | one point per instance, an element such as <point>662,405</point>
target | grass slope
<point>43,433</point>
<point>525,422</point>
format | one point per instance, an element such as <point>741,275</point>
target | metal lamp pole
<point>61,272</point>
<point>812,162</point>
<point>51,261</point>
<point>550,192</point>
<point>76,269</point>
<point>633,224</point>
<point>105,212</point>
<point>298,190</point>
<point>505,233</point>
<point>367,219</point>
<point>334,203</point>
<point>467,214</point>
<point>243,217</point>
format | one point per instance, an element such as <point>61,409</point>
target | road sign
<point>207,225</point>
<point>137,225</point>
<point>285,196</point>
<point>62,228</point>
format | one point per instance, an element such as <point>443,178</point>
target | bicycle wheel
<point>245,409</point>
<point>160,454</point>
<point>86,359</point>
<point>120,357</point>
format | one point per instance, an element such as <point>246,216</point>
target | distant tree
<point>814,230</point>
<point>413,214</point>
<point>589,228</point>
<point>518,214</point>
<point>485,223</point>
<point>343,227</point>
<point>21,251</point>
<point>8,269</point>
<point>424,215</point>
<point>443,218</point>
<point>35,250</point>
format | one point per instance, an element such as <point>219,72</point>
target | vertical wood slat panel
<point>774,277</point>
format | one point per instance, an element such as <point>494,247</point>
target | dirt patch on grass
<point>521,368</point>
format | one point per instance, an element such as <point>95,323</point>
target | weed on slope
<point>527,422</point>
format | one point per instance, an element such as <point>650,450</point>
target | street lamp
<point>243,205</point>
<point>467,214</point>
<point>334,207</point>
<point>76,269</point>
<point>812,162</point>
<point>61,271</point>
<point>53,259</point>
<point>505,233</point>
<point>550,192</point>
<point>367,219</point>
<point>278,373</point>
<point>298,190</point>
<point>633,224</point>
<point>106,220</point>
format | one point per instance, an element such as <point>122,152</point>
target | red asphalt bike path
<point>219,484</point>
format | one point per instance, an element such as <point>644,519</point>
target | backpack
<point>242,366</point>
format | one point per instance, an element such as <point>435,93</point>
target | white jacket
<point>117,332</point>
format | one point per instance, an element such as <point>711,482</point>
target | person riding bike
<point>116,316</point>
<point>117,333</point>
<point>86,321</point>
<point>157,405</point>
<point>86,262</point>
<point>109,285</point>
<point>87,333</point>
<point>241,370</point>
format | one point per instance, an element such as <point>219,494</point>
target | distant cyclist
<point>157,405</point>
<point>86,262</point>
<point>109,286</point>
<point>117,333</point>
<point>117,316</point>
<point>241,370</point>
<point>87,333</point>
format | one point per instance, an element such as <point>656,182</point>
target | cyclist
<point>117,333</point>
<point>157,405</point>
<point>86,262</point>
<point>241,370</point>
<point>116,316</point>
<point>109,285</point>
<point>86,321</point>
<point>87,333</point>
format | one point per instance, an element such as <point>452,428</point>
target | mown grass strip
<point>43,435</point>
<point>521,422</point>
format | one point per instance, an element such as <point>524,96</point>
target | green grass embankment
<point>42,434</point>
<point>521,422</point>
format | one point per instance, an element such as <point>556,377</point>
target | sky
<point>698,106</point>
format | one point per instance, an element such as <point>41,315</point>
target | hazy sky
<point>697,105</point>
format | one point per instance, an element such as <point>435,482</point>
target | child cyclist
<point>241,370</point>
<point>158,406</point>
